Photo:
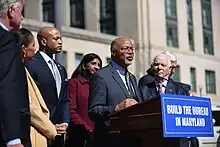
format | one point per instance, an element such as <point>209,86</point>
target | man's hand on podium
<point>126,103</point>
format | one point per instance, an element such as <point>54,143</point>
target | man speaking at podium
<point>111,89</point>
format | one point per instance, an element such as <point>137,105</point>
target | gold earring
<point>24,54</point>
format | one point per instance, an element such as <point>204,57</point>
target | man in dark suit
<point>14,102</point>
<point>113,88</point>
<point>161,83</point>
<point>51,79</point>
<point>149,78</point>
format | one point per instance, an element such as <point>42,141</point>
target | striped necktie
<point>129,85</point>
<point>56,76</point>
<point>160,88</point>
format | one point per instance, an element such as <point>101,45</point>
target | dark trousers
<point>116,140</point>
<point>189,142</point>
<point>194,142</point>
<point>58,142</point>
<point>26,143</point>
<point>218,142</point>
<point>77,136</point>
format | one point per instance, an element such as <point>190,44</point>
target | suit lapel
<point>44,68</point>
<point>118,79</point>
<point>170,88</point>
<point>154,91</point>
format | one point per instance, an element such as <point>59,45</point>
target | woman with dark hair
<point>41,127</point>
<point>80,128</point>
<point>27,44</point>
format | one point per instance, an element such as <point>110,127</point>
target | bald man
<point>51,79</point>
<point>113,88</point>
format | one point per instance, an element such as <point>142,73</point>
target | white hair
<point>6,4</point>
<point>171,55</point>
<point>163,54</point>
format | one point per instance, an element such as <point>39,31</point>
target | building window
<point>176,76</point>
<point>206,14</point>
<point>78,58</point>
<point>62,58</point>
<point>48,10</point>
<point>77,13</point>
<point>171,23</point>
<point>189,11</point>
<point>191,38</point>
<point>193,79</point>
<point>171,9</point>
<point>208,42</point>
<point>172,34</point>
<point>207,27</point>
<point>210,81</point>
<point>190,25</point>
<point>108,17</point>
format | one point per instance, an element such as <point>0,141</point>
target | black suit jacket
<point>40,72</point>
<point>184,86</point>
<point>148,87</point>
<point>14,102</point>
<point>106,91</point>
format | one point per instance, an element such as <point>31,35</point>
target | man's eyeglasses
<point>126,49</point>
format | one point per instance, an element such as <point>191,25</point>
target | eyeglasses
<point>126,49</point>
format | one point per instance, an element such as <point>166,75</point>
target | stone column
<point>33,9</point>
<point>92,15</point>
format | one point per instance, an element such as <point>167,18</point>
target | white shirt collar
<point>164,83</point>
<point>46,57</point>
<point>3,26</point>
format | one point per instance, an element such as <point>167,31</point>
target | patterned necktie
<point>129,85</point>
<point>56,76</point>
<point>160,88</point>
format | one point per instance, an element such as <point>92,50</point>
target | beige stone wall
<point>144,21</point>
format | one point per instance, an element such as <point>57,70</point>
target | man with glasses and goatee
<point>113,88</point>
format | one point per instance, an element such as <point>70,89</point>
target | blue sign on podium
<point>186,116</point>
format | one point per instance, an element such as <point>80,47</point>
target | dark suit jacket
<point>150,78</point>
<point>184,86</point>
<point>106,91</point>
<point>40,72</point>
<point>147,86</point>
<point>14,102</point>
<point>78,90</point>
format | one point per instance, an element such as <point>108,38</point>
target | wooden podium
<point>144,121</point>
